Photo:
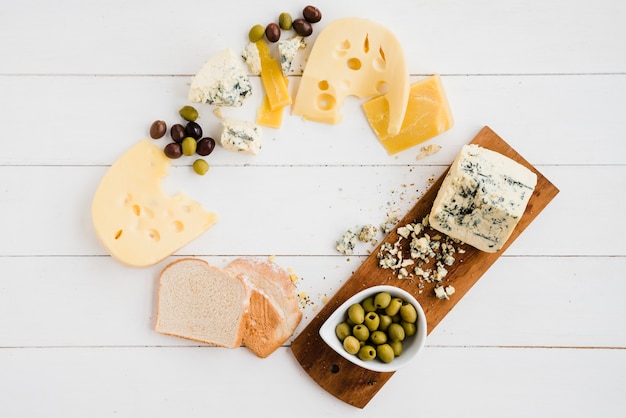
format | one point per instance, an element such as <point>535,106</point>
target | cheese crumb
<point>427,150</point>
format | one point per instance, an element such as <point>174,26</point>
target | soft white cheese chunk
<point>288,49</point>
<point>482,198</point>
<point>222,81</point>
<point>251,57</point>
<point>241,136</point>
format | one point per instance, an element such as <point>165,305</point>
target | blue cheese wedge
<point>241,136</point>
<point>252,57</point>
<point>482,198</point>
<point>222,81</point>
<point>288,49</point>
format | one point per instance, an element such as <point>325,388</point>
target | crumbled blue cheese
<point>428,255</point>
<point>389,223</point>
<point>222,81</point>
<point>482,198</point>
<point>241,136</point>
<point>444,292</point>
<point>346,244</point>
<point>288,49</point>
<point>368,234</point>
<point>251,57</point>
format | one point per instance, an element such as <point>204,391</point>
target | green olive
<point>385,353</point>
<point>397,347</point>
<point>361,332</point>
<point>367,353</point>
<point>382,300</point>
<point>351,344</point>
<point>385,321</point>
<point>200,166</point>
<point>189,145</point>
<point>257,32</point>
<point>285,21</point>
<point>368,304</point>
<point>343,330</point>
<point>394,306</point>
<point>356,313</point>
<point>396,332</point>
<point>378,337</point>
<point>409,328</point>
<point>372,321</point>
<point>408,313</point>
<point>189,113</point>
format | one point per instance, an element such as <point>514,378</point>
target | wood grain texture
<point>357,386</point>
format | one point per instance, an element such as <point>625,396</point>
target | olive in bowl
<point>387,324</point>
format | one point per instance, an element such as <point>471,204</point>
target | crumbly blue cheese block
<point>482,198</point>
<point>288,49</point>
<point>222,81</point>
<point>241,136</point>
<point>252,57</point>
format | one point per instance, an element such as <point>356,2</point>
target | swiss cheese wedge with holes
<point>136,222</point>
<point>358,57</point>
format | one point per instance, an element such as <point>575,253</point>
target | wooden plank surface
<point>540,334</point>
<point>356,385</point>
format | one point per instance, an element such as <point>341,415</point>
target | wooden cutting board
<point>357,386</point>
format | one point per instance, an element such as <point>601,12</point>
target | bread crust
<point>275,305</point>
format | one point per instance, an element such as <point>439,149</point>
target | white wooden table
<point>541,334</point>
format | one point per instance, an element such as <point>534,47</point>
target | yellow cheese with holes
<point>136,222</point>
<point>272,78</point>
<point>358,57</point>
<point>427,115</point>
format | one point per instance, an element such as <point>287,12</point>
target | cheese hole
<point>382,54</point>
<point>326,101</point>
<point>136,210</point>
<point>344,46</point>
<point>342,49</point>
<point>118,234</point>
<point>154,235</point>
<point>382,87</point>
<point>179,226</point>
<point>354,64</point>
<point>323,85</point>
<point>366,44</point>
<point>379,64</point>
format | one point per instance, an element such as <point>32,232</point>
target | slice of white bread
<point>251,302</point>
<point>203,303</point>
<point>274,312</point>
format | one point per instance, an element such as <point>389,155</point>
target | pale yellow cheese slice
<point>358,57</point>
<point>427,115</point>
<point>136,222</point>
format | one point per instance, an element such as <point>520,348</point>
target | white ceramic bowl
<point>411,346</point>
